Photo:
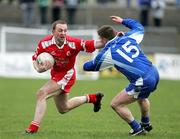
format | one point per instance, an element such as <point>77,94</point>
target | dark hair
<point>58,22</point>
<point>107,32</point>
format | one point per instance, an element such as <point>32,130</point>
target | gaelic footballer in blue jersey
<point>122,51</point>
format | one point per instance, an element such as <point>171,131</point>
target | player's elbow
<point>140,28</point>
<point>88,66</point>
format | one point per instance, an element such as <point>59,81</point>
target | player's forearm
<point>132,24</point>
<point>98,44</point>
<point>89,66</point>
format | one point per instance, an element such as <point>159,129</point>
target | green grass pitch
<point>17,102</point>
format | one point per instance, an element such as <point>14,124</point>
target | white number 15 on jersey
<point>128,48</point>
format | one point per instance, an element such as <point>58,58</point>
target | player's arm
<point>128,22</point>
<point>90,66</point>
<point>94,65</point>
<point>98,44</point>
<point>88,46</point>
<point>137,30</point>
<point>91,45</point>
<point>101,61</point>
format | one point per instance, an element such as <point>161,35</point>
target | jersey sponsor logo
<point>68,53</point>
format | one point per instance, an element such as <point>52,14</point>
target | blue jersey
<point>124,53</point>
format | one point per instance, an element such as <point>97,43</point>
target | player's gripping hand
<point>46,65</point>
<point>42,66</point>
<point>116,19</point>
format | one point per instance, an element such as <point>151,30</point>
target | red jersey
<point>64,56</point>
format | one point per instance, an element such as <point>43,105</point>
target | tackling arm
<point>102,61</point>
<point>90,66</point>
<point>94,65</point>
<point>98,44</point>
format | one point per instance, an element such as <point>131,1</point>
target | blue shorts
<point>145,85</point>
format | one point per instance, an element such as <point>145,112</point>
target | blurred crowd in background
<point>30,9</point>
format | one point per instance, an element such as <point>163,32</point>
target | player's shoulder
<point>47,38</point>
<point>72,39</point>
<point>46,41</point>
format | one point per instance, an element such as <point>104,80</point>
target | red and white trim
<point>64,81</point>
<point>35,123</point>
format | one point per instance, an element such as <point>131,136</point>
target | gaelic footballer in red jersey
<point>64,50</point>
<point>64,56</point>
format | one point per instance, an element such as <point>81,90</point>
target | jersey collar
<point>60,47</point>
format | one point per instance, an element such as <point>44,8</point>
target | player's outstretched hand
<point>116,19</point>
